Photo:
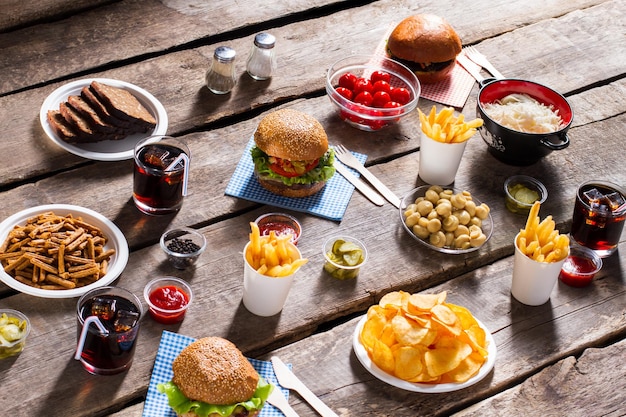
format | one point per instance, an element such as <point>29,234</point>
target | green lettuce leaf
<point>322,172</point>
<point>181,404</point>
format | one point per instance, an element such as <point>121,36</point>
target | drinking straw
<point>170,167</point>
<point>83,334</point>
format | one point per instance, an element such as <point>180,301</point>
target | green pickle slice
<point>523,194</point>
<point>347,254</point>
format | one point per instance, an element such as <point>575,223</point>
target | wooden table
<point>562,358</point>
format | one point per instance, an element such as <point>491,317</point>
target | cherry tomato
<point>365,98</point>
<point>344,92</point>
<point>380,98</point>
<point>380,76</point>
<point>382,86</point>
<point>347,80</point>
<point>362,84</point>
<point>392,104</point>
<point>400,95</point>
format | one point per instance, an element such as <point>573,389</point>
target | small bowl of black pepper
<point>183,246</point>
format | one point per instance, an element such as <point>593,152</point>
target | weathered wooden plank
<point>570,387</point>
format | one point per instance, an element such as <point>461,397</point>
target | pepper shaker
<point>262,61</point>
<point>220,78</point>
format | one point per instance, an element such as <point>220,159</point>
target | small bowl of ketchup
<point>281,224</point>
<point>168,299</point>
<point>580,267</point>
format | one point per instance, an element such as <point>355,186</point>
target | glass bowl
<point>443,239</point>
<point>364,117</point>
<point>14,329</point>
<point>521,191</point>
<point>183,246</point>
<point>168,299</point>
<point>344,256</point>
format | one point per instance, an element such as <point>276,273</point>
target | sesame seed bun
<point>214,371</point>
<point>291,134</point>
<point>427,44</point>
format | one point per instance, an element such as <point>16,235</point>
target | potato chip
<point>394,299</point>
<point>423,302</point>
<point>409,334</point>
<point>466,318</point>
<point>466,369</point>
<point>408,362</point>
<point>446,355</point>
<point>383,357</point>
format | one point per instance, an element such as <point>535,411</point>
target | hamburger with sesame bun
<point>426,44</point>
<point>291,154</point>
<point>212,378</point>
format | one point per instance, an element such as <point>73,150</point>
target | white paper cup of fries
<point>444,136</point>
<point>533,281</point>
<point>270,264</point>
<point>439,161</point>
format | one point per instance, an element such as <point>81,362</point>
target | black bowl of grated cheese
<point>183,246</point>
<point>523,121</point>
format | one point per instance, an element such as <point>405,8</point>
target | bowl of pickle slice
<point>344,256</point>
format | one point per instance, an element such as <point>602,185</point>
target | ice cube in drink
<point>125,320</point>
<point>103,307</point>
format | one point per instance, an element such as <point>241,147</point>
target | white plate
<point>107,150</point>
<point>365,360</point>
<point>116,240</point>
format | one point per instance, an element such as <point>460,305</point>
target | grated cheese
<point>523,113</point>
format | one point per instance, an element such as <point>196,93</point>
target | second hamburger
<point>426,44</point>
<point>291,154</point>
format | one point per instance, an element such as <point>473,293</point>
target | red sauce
<point>169,298</point>
<point>577,271</point>
<point>278,228</point>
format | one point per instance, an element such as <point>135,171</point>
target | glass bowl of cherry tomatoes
<point>371,92</point>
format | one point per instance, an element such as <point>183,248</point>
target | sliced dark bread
<point>87,94</point>
<point>83,128</point>
<point>60,126</point>
<point>91,116</point>
<point>123,105</point>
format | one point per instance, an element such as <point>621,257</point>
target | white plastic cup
<point>439,161</point>
<point>533,281</point>
<point>264,295</point>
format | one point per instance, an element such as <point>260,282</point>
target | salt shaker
<point>262,61</point>
<point>220,78</point>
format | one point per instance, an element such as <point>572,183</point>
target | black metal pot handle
<point>564,143</point>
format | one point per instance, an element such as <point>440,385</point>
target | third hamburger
<point>291,157</point>
<point>427,44</point>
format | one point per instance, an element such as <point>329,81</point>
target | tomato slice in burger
<point>288,169</point>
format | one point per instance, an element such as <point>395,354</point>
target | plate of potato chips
<point>60,251</point>
<point>421,343</point>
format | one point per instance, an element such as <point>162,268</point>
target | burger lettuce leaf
<point>181,404</point>
<point>322,172</point>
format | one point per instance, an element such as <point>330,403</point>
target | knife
<point>365,189</point>
<point>287,379</point>
<point>278,400</point>
<point>469,67</point>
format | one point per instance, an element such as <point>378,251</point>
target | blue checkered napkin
<point>330,203</point>
<point>170,346</point>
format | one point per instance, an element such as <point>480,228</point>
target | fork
<point>345,156</point>
<point>478,58</point>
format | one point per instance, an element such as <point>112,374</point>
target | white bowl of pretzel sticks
<point>60,251</point>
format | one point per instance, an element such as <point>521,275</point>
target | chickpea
<point>436,188</point>
<point>418,199</point>
<point>458,201</point>
<point>433,215</point>
<point>432,196</point>
<point>443,208</point>
<point>461,230</point>
<point>412,219</point>
<point>423,222</point>
<point>475,221</point>
<point>434,225</point>
<point>482,211</point>
<point>462,242</point>
<point>470,207</point>
<point>475,232</point>
<point>445,194</point>
<point>437,239</point>
<point>410,209</point>
<point>464,217</point>
<point>424,207</point>
<point>478,241</point>
<point>421,231</point>
<point>450,223</point>
<point>449,238</point>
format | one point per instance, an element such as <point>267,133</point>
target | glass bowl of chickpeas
<point>445,219</point>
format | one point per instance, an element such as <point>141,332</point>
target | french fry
<point>272,255</point>
<point>445,127</point>
<point>539,240</point>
